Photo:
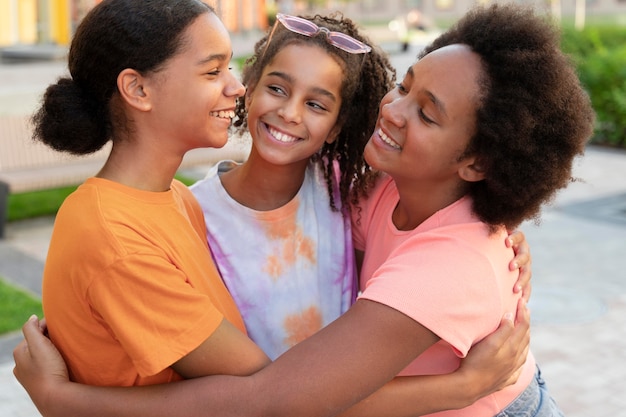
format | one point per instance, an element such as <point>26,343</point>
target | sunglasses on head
<point>310,29</point>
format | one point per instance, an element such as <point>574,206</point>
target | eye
<point>425,118</point>
<point>401,88</point>
<point>214,72</point>
<point>276,90</point>
<point>316,106</point>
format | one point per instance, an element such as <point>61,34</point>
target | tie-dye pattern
<point>290,270</point>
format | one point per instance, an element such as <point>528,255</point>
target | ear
<point>132,88</point>
<point>332,135</point>
<point>471,170</point>
<point>248,95</point>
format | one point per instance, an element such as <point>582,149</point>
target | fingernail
<point>32,318</point>
<point>508,316</point>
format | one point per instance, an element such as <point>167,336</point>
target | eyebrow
<point>438,103</point>
<point>290,79</point>
<point>215,57</point>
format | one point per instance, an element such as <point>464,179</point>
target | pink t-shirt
<point>449,274</point>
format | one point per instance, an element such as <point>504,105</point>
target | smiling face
<point>194,94</point>
<point>293,108</point>
<point>426,122</point>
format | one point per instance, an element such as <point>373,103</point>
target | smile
<point>280,136</point>
<point>223,114</point>
<point>388,140</point>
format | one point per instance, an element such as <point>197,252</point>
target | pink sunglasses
<point>310,29</point>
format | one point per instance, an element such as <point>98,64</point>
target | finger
<point>504,330</point>
<point>522,326</point>
<point>523,280</point>
<point>514,376</point>
<point>20,350</point>
<point>522,315</point>
<point>515,238</point>
<point>43,325</point>
<point>521,260</point>
<point>511,239</point>
<point>33,335</point>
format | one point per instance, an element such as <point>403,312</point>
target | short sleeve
<point>442,283</point>
<point>150,307</point>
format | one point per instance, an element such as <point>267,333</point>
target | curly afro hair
<point>533,118</point>
<point>362,91</point>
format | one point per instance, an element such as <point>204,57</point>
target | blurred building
<point>443,10</point>
<point>52,22</point>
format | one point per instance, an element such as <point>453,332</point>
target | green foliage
<point>47,202</point>
<point>36,203</point>
<point>599,52</point>
<point>16,306</point>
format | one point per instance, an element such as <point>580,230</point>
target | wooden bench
<point>27,165</point>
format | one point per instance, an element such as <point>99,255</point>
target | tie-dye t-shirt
<point>290,270</point>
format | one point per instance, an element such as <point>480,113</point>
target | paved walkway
<point>579,285</point>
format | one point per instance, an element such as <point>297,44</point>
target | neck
<point>140,168</point>
<point>262,186</point>
<point>418,202</point>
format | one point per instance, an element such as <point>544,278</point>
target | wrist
<point>471,386</point>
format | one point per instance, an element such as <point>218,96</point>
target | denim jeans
<point>535,401</point>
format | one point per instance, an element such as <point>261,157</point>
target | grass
<point>36,204</point>
<point>33,204</point>
<point>16,306</point>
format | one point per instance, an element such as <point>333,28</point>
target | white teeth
<point>388,140</point>
<point>280,136</point>
<point>223,114</point>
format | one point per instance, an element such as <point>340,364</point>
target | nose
<point>290,111</point>
<point>234,87</point>
<point>393,112</point>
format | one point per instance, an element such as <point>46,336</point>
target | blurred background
<point>52,22</point>
<point>579,287</point>
<point>594,34</point>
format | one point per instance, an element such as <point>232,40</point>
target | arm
<point>226,352</point>
<point>490,365</point>
<point>40,368</point>
<point>327,366</point>
<point>437,398</point>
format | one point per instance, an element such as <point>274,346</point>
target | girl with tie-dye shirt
<point>277,224</point>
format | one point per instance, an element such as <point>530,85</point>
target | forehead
<point>450,73</point>
<point>207,37</point>
<point>308,63</point>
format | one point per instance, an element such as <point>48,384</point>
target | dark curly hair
<point>361,94</point>
<point>533,118</point>
<point>76,114</point>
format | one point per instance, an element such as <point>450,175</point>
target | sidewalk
<point>579,288</point>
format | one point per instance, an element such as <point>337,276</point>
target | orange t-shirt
<point>129,284</point>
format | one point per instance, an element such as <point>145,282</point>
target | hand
<point>38,364</point>
<point>522,261</point>
<point>496,361</point>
